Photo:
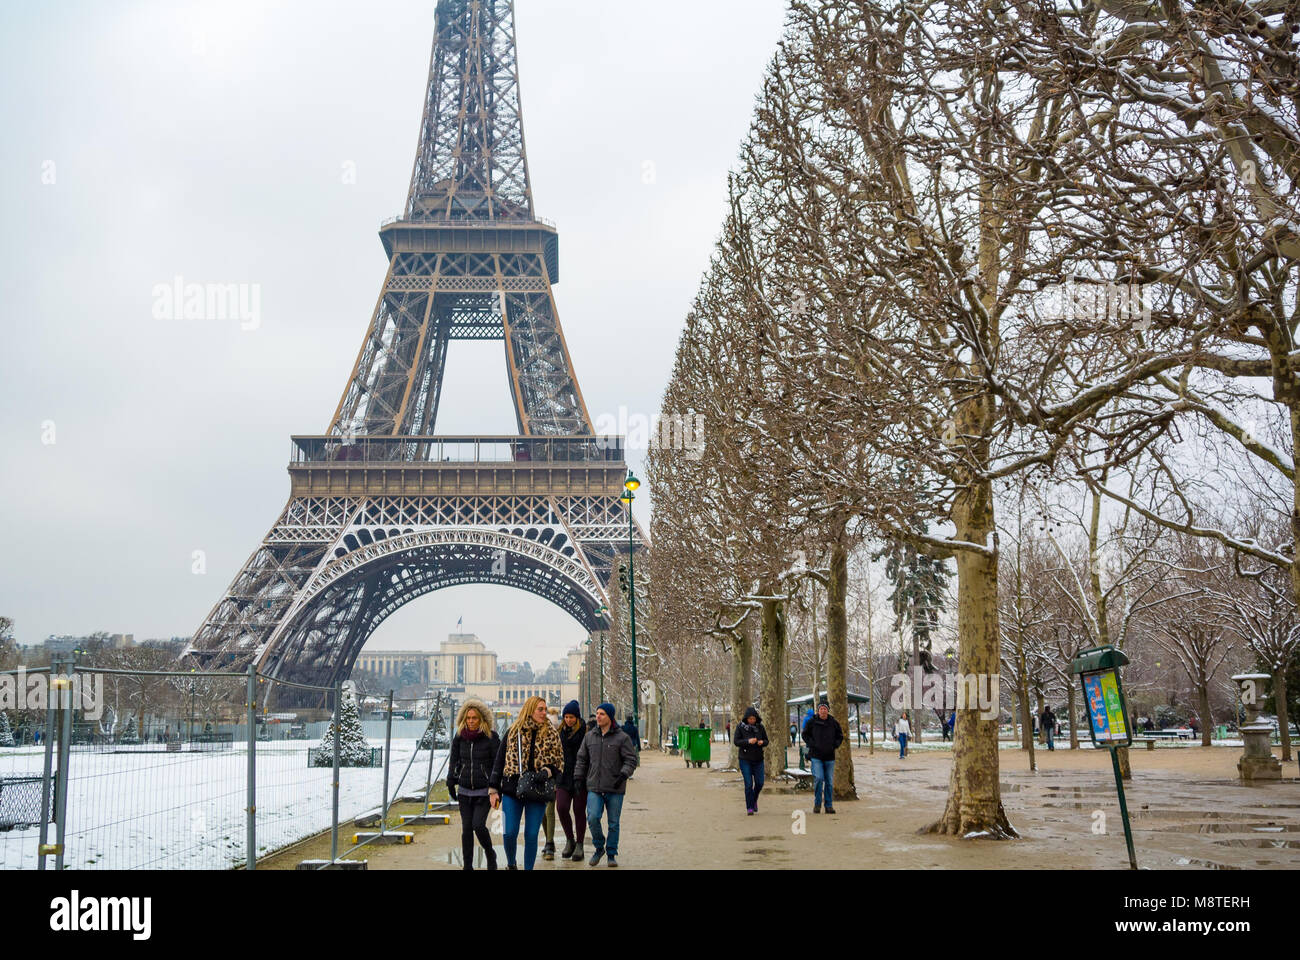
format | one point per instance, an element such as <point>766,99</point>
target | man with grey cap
<point>606,759</point>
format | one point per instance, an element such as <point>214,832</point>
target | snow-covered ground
<point>187,810</point>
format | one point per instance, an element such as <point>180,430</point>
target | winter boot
<point>595,857</point>
<point>577,853</point>
<point>613,861</point>
<point>568,851</point>
<point>817,808</point>
<point>548,852</point>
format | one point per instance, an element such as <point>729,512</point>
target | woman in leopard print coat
<point>531,743</point>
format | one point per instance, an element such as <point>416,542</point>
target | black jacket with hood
<point>470,764</point>
<point>751,752</point>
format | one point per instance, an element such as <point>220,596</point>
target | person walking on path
<point>1047,723</point>
<point>902,730</point>
<point>530,746</point>
<point>571,793</point>
<point>751,738</point>
<point>548,822</point>
<point>469,772</point>
<point>605,760</point>
<point>633,733</point>
<point>823,735</point>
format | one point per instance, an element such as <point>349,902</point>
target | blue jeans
<point>532,813</point>
<point>612,804</point>
<point>753,776</point>
<point>1050,744</point>
<point>823,777</point>
<point>902,745</point>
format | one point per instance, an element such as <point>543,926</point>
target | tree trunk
<point>974,797</point>
<point>1203,691</point>
<point>837,658</point>
<point>871,692</point>
<point>1283,723</point>
<point>1018,718</point>
<point>1074,717</point>
<point>772,677</point>
<point>1027,720</point>
<point>742,686</point>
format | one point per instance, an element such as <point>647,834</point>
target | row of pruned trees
<point>976,250</point>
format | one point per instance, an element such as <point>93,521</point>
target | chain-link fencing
<point>161,769</point>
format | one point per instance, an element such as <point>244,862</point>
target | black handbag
<point>533,786</point>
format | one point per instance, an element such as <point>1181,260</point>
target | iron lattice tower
<point>382,509</point>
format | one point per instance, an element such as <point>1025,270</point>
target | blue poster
<point>1096,707</point>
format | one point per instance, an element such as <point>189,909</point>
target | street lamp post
<point>603,612</point>
<point>630,485</point>
<point>587,700</point>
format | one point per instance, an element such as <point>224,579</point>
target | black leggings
<point>473,823</point>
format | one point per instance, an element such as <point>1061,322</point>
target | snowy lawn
<point>187,810</point>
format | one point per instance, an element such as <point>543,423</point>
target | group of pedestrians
<point>545,767</point>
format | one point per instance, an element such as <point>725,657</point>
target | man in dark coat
<point>605,760</point>
<point>1047,723</point>
<point>633,733</point>
<point>823,735</point>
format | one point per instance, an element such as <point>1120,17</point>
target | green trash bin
<point>700,744</point>
<point>684,740</point>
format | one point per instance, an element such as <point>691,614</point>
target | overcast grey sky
<point>211,141</point>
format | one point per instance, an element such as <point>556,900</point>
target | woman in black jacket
<point>570,795</point>
<point>469,771</point>
<point>751,738</point>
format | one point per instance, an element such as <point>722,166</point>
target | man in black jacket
<point>1047,723</point>
<point>823,736</point>
<point>751,738</point>
<point>605,760</point>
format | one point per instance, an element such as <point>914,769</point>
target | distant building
<point>464,667</point>
<point>462,658</point>
<point>62,645</point>
<point>66,644</point>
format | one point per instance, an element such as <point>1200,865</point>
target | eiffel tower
<point>382,509</point>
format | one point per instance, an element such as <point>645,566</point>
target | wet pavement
<point>1187,812</point>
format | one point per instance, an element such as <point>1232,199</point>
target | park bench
<point>803,779</point>
<point>1149,737</point>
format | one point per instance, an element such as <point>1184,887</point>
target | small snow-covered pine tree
<point>6,732</point>
<point>130,735</point>
<point>354,750</point>
<point>433,735</point>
